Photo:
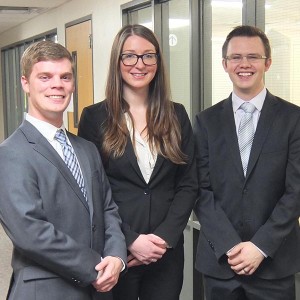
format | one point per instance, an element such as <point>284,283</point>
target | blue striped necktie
<point>71,159</point>
<point>246,133</point>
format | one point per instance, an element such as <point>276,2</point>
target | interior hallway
<point>5,269</point>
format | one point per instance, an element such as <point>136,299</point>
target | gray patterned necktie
<point>71,159</point>
<point>246,133</point>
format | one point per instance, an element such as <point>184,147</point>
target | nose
<point>244,60</point>
<point>140,62</point>
<point>56,82</point>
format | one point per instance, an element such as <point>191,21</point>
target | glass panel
<point>179,51</point>
<point>10,83</point>
<point>15,102</point>
<point>225,15</point>
<point>282,20</point>
<point>141,16</point>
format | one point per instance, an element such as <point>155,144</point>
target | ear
<point>224,63</point>
<point>25,84</point>
<point>268,64</point>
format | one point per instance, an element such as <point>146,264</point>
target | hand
<point>108,273</point>
<point>148,248</point>
<point>245,258</point>
<point>133,261</point>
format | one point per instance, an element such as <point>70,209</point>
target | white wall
<point>106,21</point>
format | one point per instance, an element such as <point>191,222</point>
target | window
<point>15,102</point>
<point>172,26</point>
<point>220,17</point>
<point>282,19</point>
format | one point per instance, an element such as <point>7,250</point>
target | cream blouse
<point>145,159</point>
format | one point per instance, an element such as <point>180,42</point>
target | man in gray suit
<point>65,228</point>
<point>249,174</point>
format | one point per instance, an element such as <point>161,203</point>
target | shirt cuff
<point>262,252</point>
<point>123,263</point>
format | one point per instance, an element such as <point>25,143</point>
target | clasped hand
<point>146,249</point>
<point>108,273</point>
<point>244,258</point>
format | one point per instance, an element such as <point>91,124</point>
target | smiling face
<point>137,78</point>
<point>49,88</point>
<point>247,78</point>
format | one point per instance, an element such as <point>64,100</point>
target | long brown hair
<point>164,132</point>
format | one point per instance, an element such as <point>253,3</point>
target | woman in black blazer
<point>147,147</point>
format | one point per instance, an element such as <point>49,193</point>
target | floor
<point>5,269</point>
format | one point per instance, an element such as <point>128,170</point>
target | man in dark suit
<point>63,224</point>
<point>249,174</point>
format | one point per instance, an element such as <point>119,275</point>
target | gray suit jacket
<point>263,207</point>
<point>58,236</point>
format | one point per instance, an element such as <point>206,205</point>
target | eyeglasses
<point>130,59</point>
<point>251,58</point>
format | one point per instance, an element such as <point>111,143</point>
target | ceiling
<point>15,12</point>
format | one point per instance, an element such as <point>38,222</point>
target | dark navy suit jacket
<point>263,207</point>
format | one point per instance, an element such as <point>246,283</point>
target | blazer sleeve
<point>215,225</point>
<point>186,185</point>
<point>89,126</point>
<point>284,217</point>
<point>114,239</point>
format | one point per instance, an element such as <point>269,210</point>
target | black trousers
<point>249,288</point>
<point>160,280</point>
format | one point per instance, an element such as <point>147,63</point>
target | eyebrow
<point>147,50</point>
<point>51,74</point>
<point>252,53</point>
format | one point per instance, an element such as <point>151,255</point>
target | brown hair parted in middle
<point>163,128</point>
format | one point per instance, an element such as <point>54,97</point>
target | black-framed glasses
<point>131,59</point>
<point>251,58</point>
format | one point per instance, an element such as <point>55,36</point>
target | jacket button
<point>146,191</point>
<point>94,228</point>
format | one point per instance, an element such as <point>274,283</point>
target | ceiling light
<point>18,10</point>
<point>227,4</point>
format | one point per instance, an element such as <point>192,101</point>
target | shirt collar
<point>46,129</point>
<point>257,101</point>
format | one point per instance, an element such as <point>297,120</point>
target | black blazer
<point>162,206</point>
<point>263,207</point>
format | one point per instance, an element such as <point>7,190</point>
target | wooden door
<point>79,43</point>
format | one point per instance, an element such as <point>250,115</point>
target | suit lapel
<point>85,169</point>
<point>158,164</point>
<point>230,135</point>
<point>130,154</point>
<point>266,119</point>
<point>42,146</point>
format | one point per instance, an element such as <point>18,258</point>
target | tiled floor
<point>5,269</point>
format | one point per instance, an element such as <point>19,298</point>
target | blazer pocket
<point>33,273</point>
<point>274,152</point>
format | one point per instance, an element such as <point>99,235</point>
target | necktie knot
<point>61,137</point>
<point>248,107</point>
